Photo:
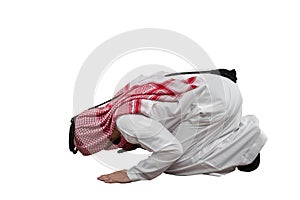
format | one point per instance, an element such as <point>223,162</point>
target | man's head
<point>115,137</point>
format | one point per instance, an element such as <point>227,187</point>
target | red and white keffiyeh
<point>94,127</point>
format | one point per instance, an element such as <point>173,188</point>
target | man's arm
<point>153,136</point>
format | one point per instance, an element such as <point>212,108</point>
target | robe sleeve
<point>154,137</point>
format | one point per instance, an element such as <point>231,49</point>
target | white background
<point>43,45</point>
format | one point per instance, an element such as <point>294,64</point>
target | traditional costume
<point>193,124</point>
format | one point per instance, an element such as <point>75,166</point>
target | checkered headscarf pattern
<point>94,127</point>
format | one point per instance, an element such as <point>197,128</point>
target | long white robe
<point>203,133</point>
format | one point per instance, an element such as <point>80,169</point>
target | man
<point>192,124</point>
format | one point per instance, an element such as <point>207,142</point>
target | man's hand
<point>115,177</point>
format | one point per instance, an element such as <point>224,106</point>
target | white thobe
<point>203,133</point>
